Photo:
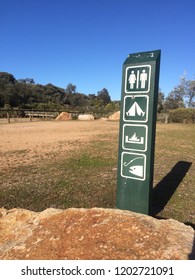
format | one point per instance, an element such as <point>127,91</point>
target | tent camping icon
<point>135,110</point>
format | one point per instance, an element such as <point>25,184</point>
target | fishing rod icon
<point>137,170</point>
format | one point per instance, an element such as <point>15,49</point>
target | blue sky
<point>85,42</point>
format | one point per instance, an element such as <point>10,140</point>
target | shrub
<point>182,115</point>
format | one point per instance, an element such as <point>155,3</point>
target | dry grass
<point>74,164</point>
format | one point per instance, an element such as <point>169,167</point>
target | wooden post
<point>8,116</point>
<point>30,116</point>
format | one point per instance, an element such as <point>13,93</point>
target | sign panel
<point>137,131</point>
<point>134,137</point>
<point>135,108</point>
<point>137,79</point>
<point>133,166</point>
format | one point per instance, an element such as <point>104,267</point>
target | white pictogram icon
<point>133,166</point>
<point>143,78</point>
<point>137,79</point>
<point>137,170</point>
<point>135,110</point>
<point>134,139</point>
<point>132,79</point>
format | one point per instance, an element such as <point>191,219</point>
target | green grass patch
<point>88,177</point>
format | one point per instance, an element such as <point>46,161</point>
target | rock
<point>64,116</point>
<point>103,119</point>
<point>115,116</point>
<point>86,117</point>
<point>77,234</point>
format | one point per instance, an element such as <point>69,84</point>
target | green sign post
<point>137,131</point>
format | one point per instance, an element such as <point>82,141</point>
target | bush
<point>182,115</point>
<point>163,117</point>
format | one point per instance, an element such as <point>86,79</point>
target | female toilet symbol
<point>132,79</point>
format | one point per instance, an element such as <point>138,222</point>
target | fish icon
<point>137,170</point>
<point>133,166</point>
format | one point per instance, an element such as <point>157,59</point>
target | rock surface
<point>115,116</point>
<point>92,234</point>
<point>86,117</point>
<point>64,116</point>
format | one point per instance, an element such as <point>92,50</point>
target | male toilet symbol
<point>143,78</point>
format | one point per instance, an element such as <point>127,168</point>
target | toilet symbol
<point>143,78</point>
<point>137,79</point>
<point>132,79</point>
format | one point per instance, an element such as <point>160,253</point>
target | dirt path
<point>25,143</point>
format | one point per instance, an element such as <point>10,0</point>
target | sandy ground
<point>25,143</point>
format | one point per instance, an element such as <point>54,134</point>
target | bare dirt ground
<point>65,164</point>
<point>26,143</point>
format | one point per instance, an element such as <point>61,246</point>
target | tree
<point>161,98</point>
<point>70,89</point>
<point>104,96</point>
<point>24,93</point>
<point>26,81</point>
<point>188,88</point>
<point>68,97</point>
<point>191,94</point>
<point>7,82</point>
<point>175,99</point>
<point>7,78</point>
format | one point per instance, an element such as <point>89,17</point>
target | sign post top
<point>142,57</point>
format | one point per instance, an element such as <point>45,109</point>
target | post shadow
<point>164,190</point>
